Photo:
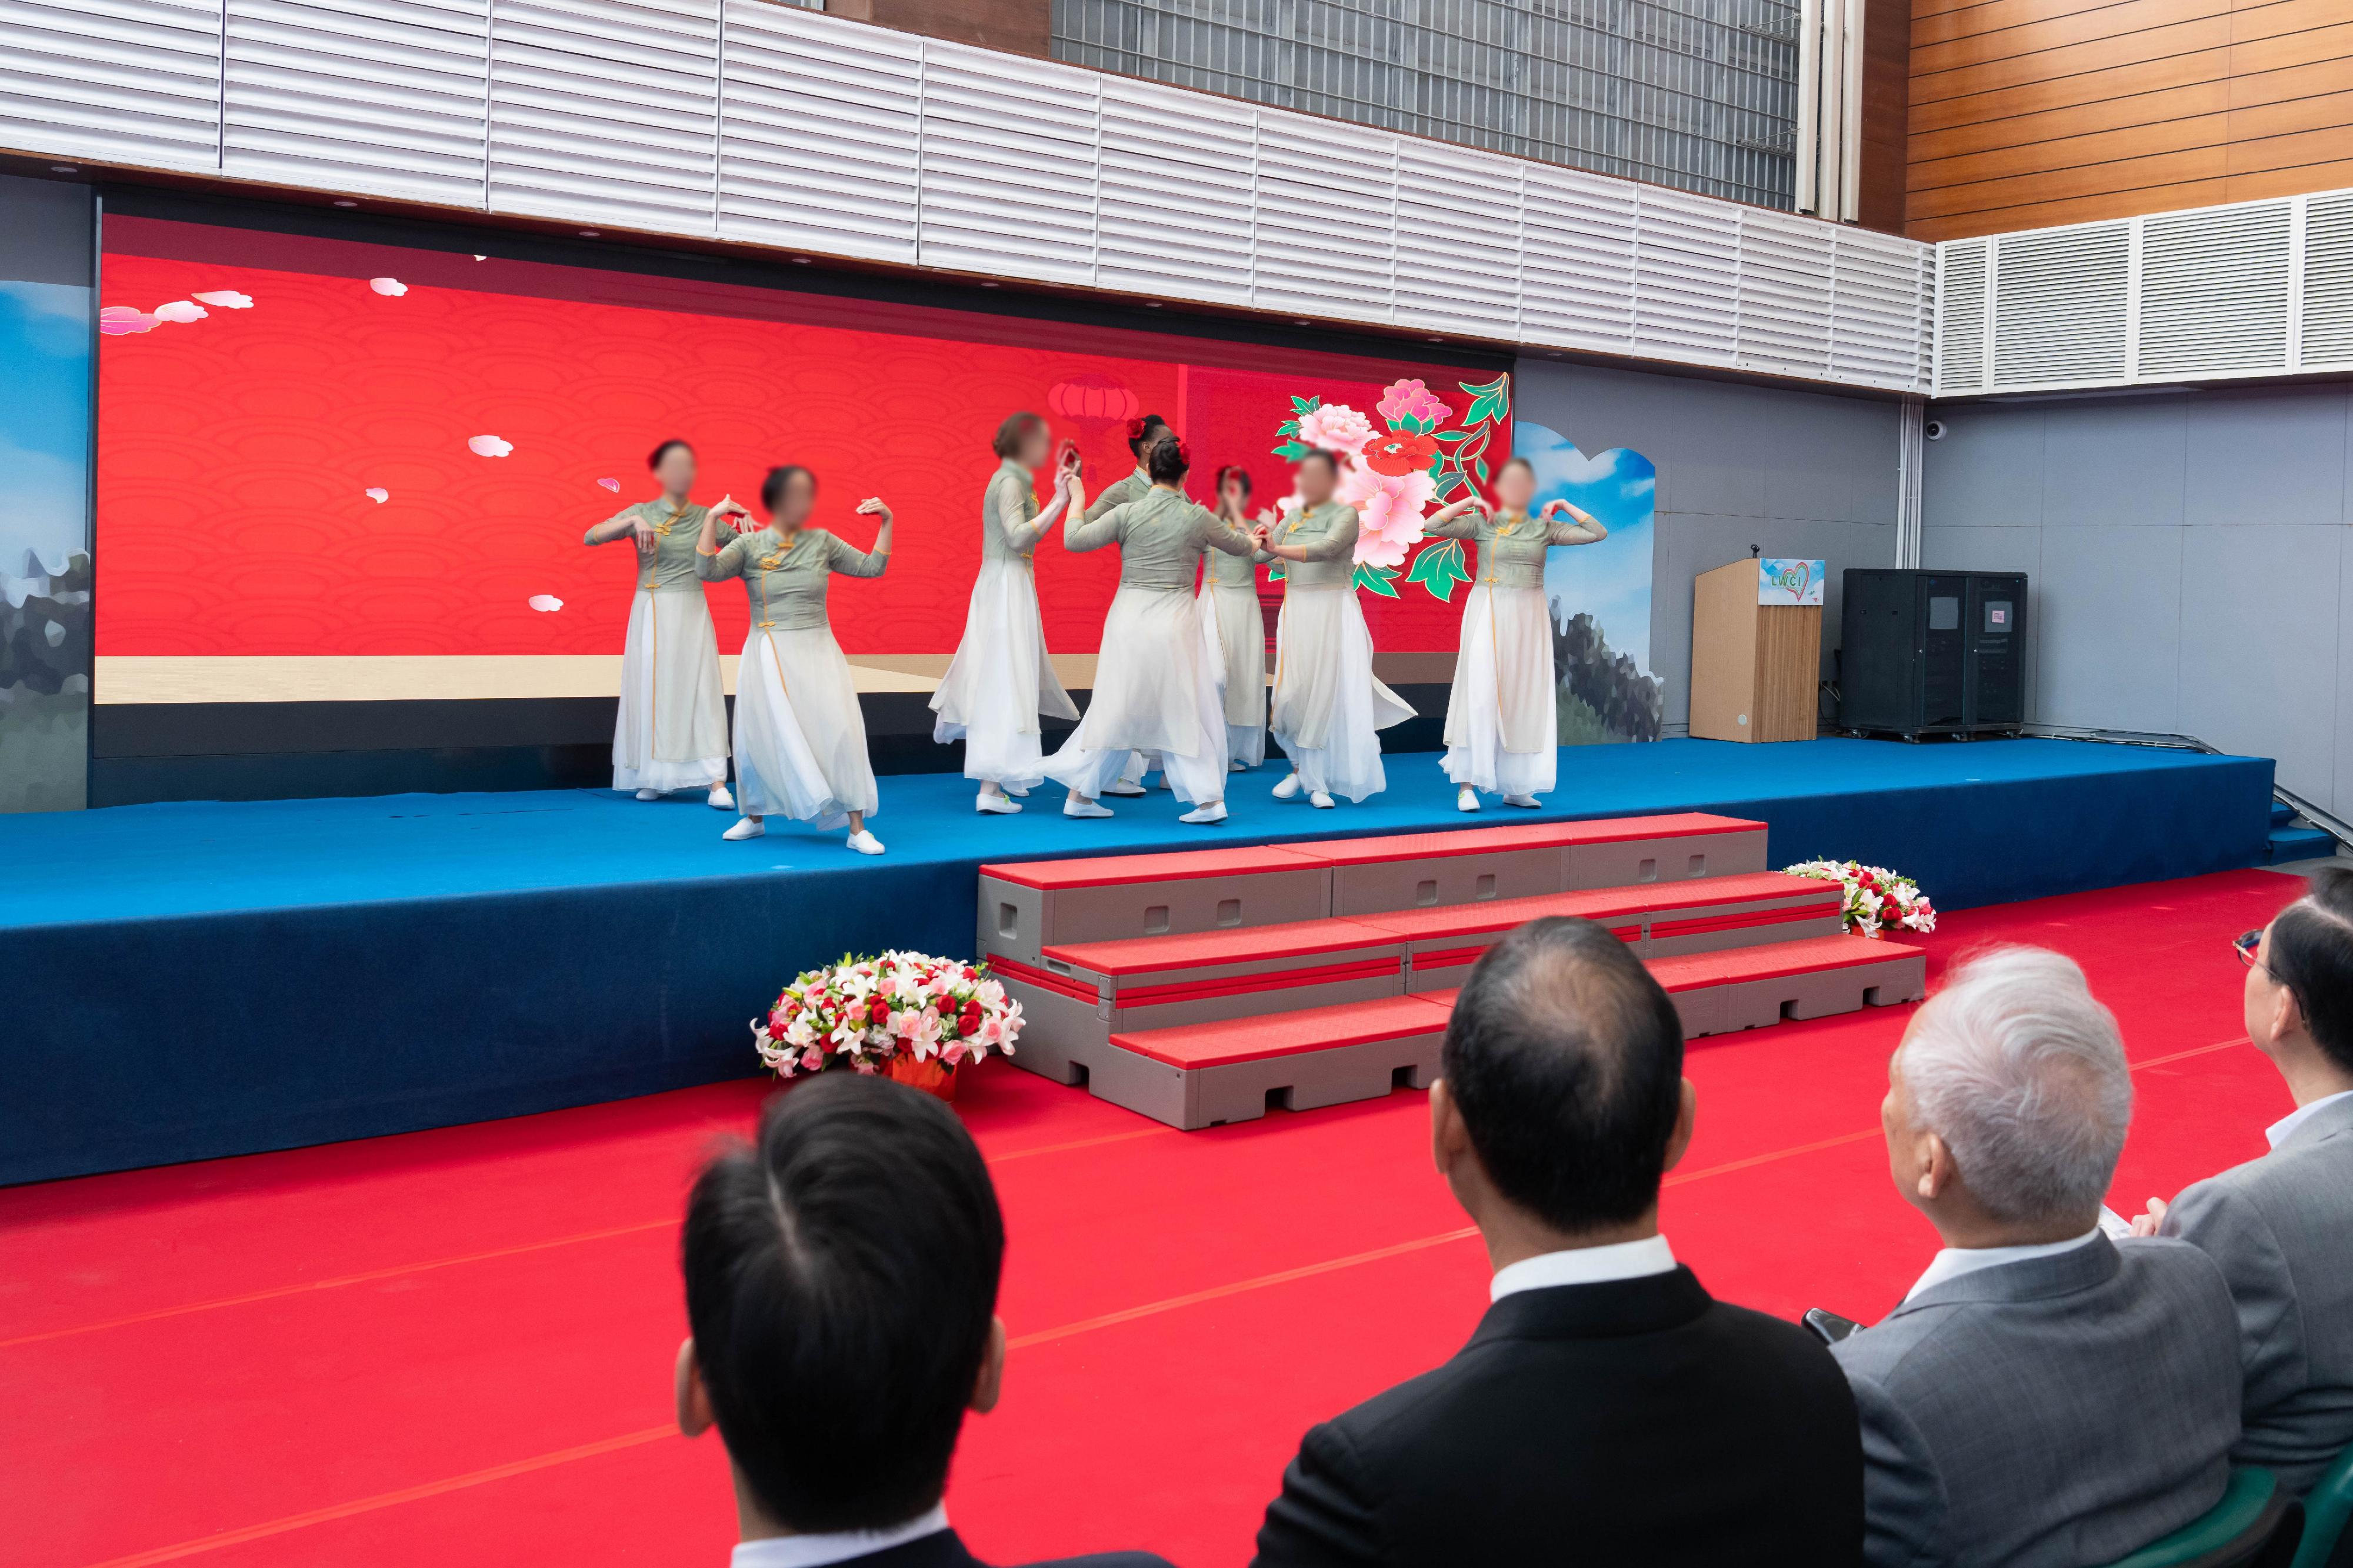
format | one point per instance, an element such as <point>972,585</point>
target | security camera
<point>1933,429</point>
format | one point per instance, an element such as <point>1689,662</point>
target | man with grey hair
<point>2040,1398</point>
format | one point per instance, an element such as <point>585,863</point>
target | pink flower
<point>1389,509</point>
<point>1402,400</point>
<point>1335,427</point>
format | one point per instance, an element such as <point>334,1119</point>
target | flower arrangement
<point>1393,476</point>
<point>907,1015</point>
<point>1878,901</point>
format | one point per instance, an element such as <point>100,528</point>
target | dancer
<point>1230,603</point>
<point>672,733</point>
<point>1142,435</point>
<point>800,739</point>
<point>1156,679</point>
<point>1503,715</point>
<point>1001,683</point>
<point>1327,703</point>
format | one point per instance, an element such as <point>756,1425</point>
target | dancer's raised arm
<point>715,563</point>
<point>1454,520</point>
<point>851,560</point>
<point>1587,530</point>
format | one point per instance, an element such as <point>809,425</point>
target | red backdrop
<point>235,452</point>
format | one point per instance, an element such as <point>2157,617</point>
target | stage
<point>190,980</point>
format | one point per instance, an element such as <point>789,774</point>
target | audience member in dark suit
<point>2042,1399</point>
<point>841,1288</point>
<point>2282,1227</point>
<point>1608,1410</point>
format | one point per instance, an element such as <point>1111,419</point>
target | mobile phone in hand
<point>1828,1327</point>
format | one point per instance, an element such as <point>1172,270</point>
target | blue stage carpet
<point>188,980</point>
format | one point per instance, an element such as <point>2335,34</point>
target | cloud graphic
<point>613,485</point>
<point>390,288</point>
<point>489,447</point>
<point>181,311</point>
<point>117,319</point>
<point>226,299</point>
<point>547,602</point>
<point>377,494</point>
<point>478,258</point>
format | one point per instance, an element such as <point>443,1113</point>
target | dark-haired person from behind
<point>842,1294</point>
<point>2282,1227</point>
<point>1608,1411</point>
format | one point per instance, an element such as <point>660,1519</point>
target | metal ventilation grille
<point>1576,260</point>
<point>132,81</point>
<point>1008,183</point>
<point>1174,197</point>
<point>2059,315</point>
<point>2214,290</point>
<point>606,110</point>
<point>385,95</point>
<point>1686,278</point>
<point>822,136</point>
<point>1962,315</point>
<point>1879,327</point>
<point>1786,271</point>
<point>1327,217</point>
<point>2327,293</point>
<point>1458,263</point>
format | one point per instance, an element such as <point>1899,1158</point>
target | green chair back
<point>2326,1543</point>
<point>2228,1532</point>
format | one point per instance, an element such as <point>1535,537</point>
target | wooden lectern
<point>1756,651</point>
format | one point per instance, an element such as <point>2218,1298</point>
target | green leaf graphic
<point>1376,578</point>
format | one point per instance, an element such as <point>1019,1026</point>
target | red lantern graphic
<point>1092,399</point>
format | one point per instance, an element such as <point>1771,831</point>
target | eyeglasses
<point>2246,944</point>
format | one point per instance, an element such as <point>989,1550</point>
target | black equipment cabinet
<point>1932,653</point>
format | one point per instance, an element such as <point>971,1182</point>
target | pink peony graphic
<point>377,494</point>
<point>546,601</point>
<point>224,298</point>
<point>181,311</point>
<point>390,288</point>
<point>489,447</point>
<point>613,485</point>
<point>117,319</point>
<point>1335,427</point>
<point>1402,400</point>
<point>1389,509</point>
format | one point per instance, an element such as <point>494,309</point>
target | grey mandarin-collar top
<point>1160,536</point>
<point>785,578</point>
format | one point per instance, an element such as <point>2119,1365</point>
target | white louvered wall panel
<point>1686,278</point>
<point>1787,274</point>
<point>2327,293</point>
<point>1326,219</point>
<point>2058,306</point>
<point>1576,260</point>
<point>1458,240</point>
<point>1174,196</point>
<point>2213,291</point>
<point>1880,310</point>
<point>820,134</point>
<point>130,81</point>
<point>1008,180</point>
<point>606,112</point>
<point>383,96</point>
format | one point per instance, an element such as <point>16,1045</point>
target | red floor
<point>455,1347</point>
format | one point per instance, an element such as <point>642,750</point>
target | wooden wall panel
<point>2025,113</point>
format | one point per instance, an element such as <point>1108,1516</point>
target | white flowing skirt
<point>1233,615</point>
<point>1327,705</point>
<point>672,733</point>
<point>1000,680</point>
<point>1502,719</point>
<point>1157,690</point>
<point>800,739</point>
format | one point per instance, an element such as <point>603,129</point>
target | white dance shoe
<point>720,799</point>
<point>865,843</point>
<point>1527,802</point>
<point>1213,812</point>
<point>1466,799</point>
<point>1086,808</point>
<point>1124,788</point>
<point>1288,789</point>
<point>749,827</point>
<point>1234,765</point>
<point>994,803</point>
<point>1319,801</point>
<point>649,795</point>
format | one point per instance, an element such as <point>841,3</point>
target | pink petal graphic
<point>390,288</point>
<point>489,447</point>
<point>117,319</point>
<point>478,258</point>
<point>547,602</point>
<point>181,311</point>
<point>377,494</point>
<point>224,298</point>
<point>613,485</point>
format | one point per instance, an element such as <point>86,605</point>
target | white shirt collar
<point>839,1546</point>
<point>1955,1261</point>
<point>2280,1131</point>
<point>1584,1265</point>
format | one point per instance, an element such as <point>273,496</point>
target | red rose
<point>879,1011</point>
<point>1401,452</point>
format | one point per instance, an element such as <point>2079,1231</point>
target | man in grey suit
<point>2041,1398</point>
<point>2282,1227</point>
